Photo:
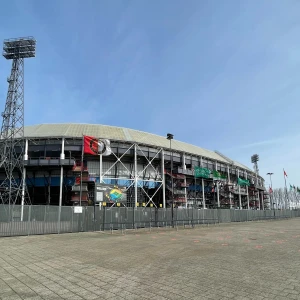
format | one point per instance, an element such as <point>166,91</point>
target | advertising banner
<point>110,193</point>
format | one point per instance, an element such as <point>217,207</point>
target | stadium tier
<point>140,169</point>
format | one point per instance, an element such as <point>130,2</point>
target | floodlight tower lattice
<point>13,188</point>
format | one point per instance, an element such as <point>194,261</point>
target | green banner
<point>243,182</point>
<point>201,172</point>
<point>216,174</point>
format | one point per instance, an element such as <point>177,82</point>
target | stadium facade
<point>139,165</point>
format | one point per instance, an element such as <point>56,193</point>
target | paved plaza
<point>254,260</point>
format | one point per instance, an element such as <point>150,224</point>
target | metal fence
<point>33,220</point>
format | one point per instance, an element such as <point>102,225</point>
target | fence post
<point>44,220</point>
<point>103,218</point>
<point>29,220</point>
<point>133,216</point>
<point>10,215</point>
<point>59,216</point>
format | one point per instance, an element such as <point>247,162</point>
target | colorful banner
<point>243,182</point>
<point>201,172</point>
<point>110,193</point>
<point>96,146</point>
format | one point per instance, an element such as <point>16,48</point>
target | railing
<point>49,161</point>
<point>31,220</point>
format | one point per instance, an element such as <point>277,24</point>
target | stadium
<point>144,168</point>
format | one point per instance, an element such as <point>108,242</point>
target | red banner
<point>90,145</point>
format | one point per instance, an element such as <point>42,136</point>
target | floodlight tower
<point>254,160</point>
<point>12,189</point>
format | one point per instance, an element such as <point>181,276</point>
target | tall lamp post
<point>170,137</point>
<point>271,189</point>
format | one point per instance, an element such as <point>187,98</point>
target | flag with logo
<point>95,146</point>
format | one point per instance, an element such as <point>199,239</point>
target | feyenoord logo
<point>100,146</point>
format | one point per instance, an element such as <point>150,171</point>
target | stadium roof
<point>120,134</point>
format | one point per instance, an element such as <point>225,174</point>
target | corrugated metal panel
<point>118,133</point>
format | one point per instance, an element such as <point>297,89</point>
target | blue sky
<point>223,75</point>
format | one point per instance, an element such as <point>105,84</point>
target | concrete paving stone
<point>75,289</point>
<point>52,297</point>
<point>290,291</point>
<point>6,289</point>
<point>116,298</point>
<point>135,297</point>
<point>39,289</point>
<point>293,296</point>
<point>69,296</point>
<point>45,292</point>
<point>254,297</point>
<point>90,297</point>
<point>280,298</point>
<point>62,291</point>
<point>12,297</point>
<point>7,293</point>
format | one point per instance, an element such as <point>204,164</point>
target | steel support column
<point>203,195</point>
<point>218,194</point>
<point>184,168</point>
<point>248,204</point>
<point>24,179</point>
<point>262,201</point>
<point>228,175</point>
<point>100,169</point>
<point>163,177</point>
<point>135,177</point>
<point>62,156</point>
<point>240,196</point>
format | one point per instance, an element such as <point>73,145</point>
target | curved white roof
<point>120,134</point>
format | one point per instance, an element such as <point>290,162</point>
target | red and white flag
<point>94,146</point>
<point>284,173</point>
<point>270,190</point>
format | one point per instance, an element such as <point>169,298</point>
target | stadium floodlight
<point>13,186</point>
<point>254,158</point>
<point>19,48</point>
<point>170,137</point>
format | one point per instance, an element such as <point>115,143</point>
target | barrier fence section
<point>33,220</point>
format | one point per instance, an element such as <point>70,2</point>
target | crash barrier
<point>16,220</point>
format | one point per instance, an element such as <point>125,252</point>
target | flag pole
<point>100,168</point>
<point>81,168</point>
<point>286,194</point>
